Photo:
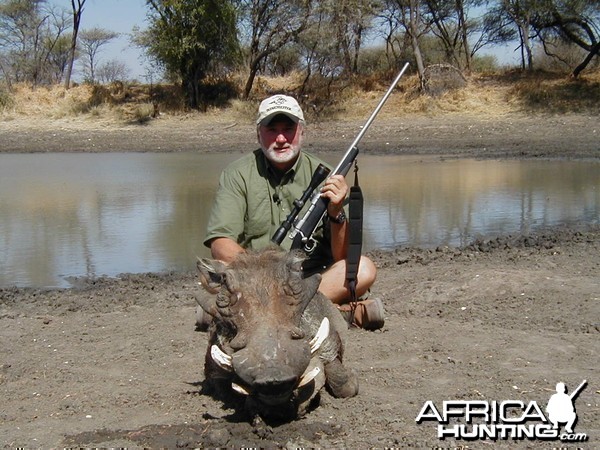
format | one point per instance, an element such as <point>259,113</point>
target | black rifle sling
<point>355,222</point>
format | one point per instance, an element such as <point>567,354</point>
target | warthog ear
<point>211,274</point>
<point>312,286</point>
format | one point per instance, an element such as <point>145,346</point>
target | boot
<point>368,314</point>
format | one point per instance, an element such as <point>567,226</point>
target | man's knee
<point>333,281</point>
<point>367,272</point>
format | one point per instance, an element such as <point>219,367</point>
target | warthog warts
<point>275,339</point>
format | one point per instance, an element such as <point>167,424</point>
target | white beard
<point>276,157</point>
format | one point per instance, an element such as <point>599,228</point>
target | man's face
<point>281,141</point>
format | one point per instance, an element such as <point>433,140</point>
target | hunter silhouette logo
<point>560,407</point>
<point>507,419</point>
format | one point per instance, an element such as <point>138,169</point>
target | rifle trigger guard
<point>309,244</point>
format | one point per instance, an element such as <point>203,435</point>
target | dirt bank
<point>513,136</point>
<point>116,362</point>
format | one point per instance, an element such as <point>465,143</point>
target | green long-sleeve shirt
<point>252,201</point>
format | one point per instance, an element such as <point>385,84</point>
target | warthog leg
<point>341,381</point>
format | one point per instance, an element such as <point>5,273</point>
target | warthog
<point>275,339</point>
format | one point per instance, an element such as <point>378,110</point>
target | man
<point>560,408</point>
<point>256,194</point>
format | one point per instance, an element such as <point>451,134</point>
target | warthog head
<point>274,337</point>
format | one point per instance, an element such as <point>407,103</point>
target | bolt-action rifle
<point>304,228</point>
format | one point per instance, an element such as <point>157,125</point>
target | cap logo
<point>279,101</point>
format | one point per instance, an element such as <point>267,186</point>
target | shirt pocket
<point>258,220</point>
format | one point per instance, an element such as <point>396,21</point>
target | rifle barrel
<point>575,393</point>
<point>367,124</point>
<point>305,226</point>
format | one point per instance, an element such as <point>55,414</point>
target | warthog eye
<point>234,297</point>
<point>297,333</point>
<point>225,299</point>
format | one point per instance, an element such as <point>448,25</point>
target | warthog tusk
<point>239,389</point>
<point>222,359</point>
<point>308,377</point>
<point>322,333</point>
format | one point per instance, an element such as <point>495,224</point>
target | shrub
<point>6,99</point>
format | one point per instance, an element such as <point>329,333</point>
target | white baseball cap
<point>279,104</point>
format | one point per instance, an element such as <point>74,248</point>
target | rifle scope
<point>318,177</point>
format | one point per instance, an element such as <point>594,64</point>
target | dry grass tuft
<point>474,98</point>
<point>49,102</point>
<point>266,86</point>
<point>547,93</point>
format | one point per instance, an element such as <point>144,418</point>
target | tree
<point>452,27</point>
<point>495,28</point>
<point>514,15</point>
<point>192,39</point>
<point>20,22</point>
<point>111,71</point>
<point>390,17</point>
<point>77,7</point>
<point>351,20</point>
<point>521,12</point>
<point>269,28</point>
<point>411,17</point>
<point>91,40</point>
<point>29,31</point>
<point>414,31</point>
<point>58,59</point>
<point>321,58</point>
<point>573,21</point>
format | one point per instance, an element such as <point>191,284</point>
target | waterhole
<point>72,215</point>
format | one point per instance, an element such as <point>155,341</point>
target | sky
<point>119,16</point>
<point>122,15</point>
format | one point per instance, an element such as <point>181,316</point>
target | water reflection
<point>429,202</point>
<point>67,215</point>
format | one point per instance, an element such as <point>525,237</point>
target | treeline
<point>200,44</point>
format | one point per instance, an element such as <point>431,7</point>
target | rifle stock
<point>305,227</point>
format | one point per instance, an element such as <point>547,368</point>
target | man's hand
<point>335,190</point>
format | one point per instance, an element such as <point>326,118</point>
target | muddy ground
<point>117,362</point>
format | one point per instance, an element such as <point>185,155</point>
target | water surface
<point>69,215</point>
